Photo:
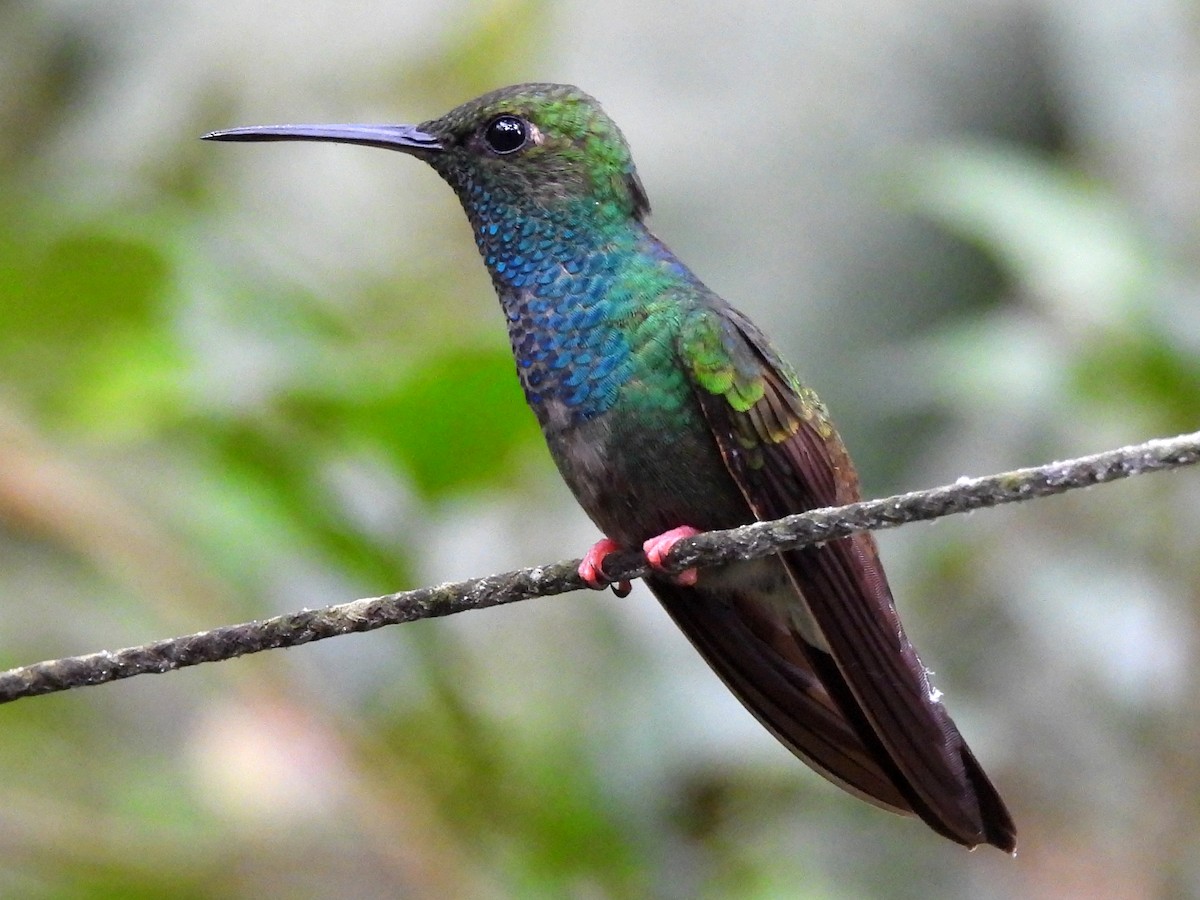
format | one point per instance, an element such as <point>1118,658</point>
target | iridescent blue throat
<point>576,299</point>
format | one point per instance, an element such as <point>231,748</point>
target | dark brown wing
<point>784,455</point>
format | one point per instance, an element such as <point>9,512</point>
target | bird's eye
<point>506,134</point>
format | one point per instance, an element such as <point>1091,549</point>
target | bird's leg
<point>657,548</point>
<point>591,569</point>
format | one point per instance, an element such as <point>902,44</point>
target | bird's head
<point>521,148</point>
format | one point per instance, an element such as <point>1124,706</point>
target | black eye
<point>506,134</point>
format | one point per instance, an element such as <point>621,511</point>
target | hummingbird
<point>668,412</point>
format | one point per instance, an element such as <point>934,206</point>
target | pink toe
<point>657,548</point>
<point>591,568</point>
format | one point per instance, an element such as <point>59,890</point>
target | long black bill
<point>407,138</point>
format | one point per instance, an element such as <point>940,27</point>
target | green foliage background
<point>237,381</point>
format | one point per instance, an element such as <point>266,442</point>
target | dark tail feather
<point>883,689</point>
<point>774,680</point>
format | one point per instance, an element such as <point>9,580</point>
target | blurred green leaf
<point>72,301</point>
<point>455,423</point>
<point>1066,239</point>
<point>1138,373</point>
<point>76,285</point>
<point>130,386</point>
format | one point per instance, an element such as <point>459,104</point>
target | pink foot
<point>657,548</point>
<point>591,569</point>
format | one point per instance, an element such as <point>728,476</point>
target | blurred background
<point>240,380</point>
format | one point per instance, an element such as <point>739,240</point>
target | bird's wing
<point>783,453</point>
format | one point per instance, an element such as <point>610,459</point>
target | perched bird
<point>668,412</point>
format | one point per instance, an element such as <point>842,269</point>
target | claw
<point>591,569</point>
<point>657,548</point>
